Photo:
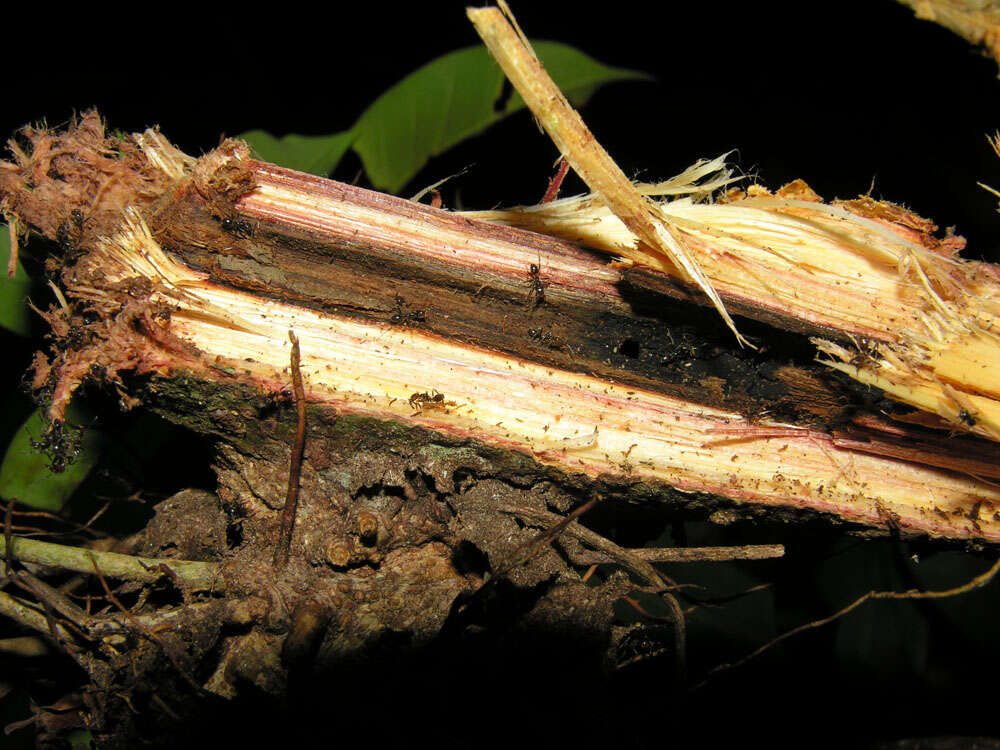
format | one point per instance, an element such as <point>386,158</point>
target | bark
<point>464,381</point>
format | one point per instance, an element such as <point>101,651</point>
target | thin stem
<point>976,583</point>
<point>283,548</point>
<point>697,554</point>
<point>199,576</point>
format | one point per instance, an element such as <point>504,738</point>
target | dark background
<point>849,96</point>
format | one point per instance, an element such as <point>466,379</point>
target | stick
<point>976,583</point>
<point>22,612</point>
<point>698,554</point>
<point>534,546</point>
<point>552,191</point>
<point>199,576</point>
<point>283,549</point>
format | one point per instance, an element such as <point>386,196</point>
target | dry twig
<point>29,616</point>
<point>976,583</point>
<point>695,554</point>
<point>656,581</point>
<point>283,548</point>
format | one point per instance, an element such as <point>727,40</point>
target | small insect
<point>543,337</point>
<point>276,401</point>
<point>580,442</point>
<point>400,317</point>
<point>967,418</point>
<point>867,353</point>
<point>537,288</point>
<point>237,227</point>
<point>433,401</point>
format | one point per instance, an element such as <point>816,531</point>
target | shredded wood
<point>864,268</point>
<point>923,322</point>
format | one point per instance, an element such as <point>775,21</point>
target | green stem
<point>200,576</point>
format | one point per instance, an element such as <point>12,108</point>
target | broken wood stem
<point>393,300</point>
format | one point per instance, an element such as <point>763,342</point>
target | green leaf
<point>26,474</point>
<point>452,98</point>
<point>13,292</point>
<point>316,154</point>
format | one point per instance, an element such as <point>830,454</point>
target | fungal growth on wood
<point>461,381</point>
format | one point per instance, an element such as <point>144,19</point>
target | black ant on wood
<point>433,401</point>
<point>239,228</point>
<point>537,288</point>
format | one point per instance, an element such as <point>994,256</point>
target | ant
<point>537,288</point>
<point>70,232</point>
<point>406,318</point>
<point>239,228</point>
<point>543,337</point>
<point>433,401</point>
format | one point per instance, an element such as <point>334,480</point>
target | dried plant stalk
<point>661,248</point>
<point>201,576</point>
